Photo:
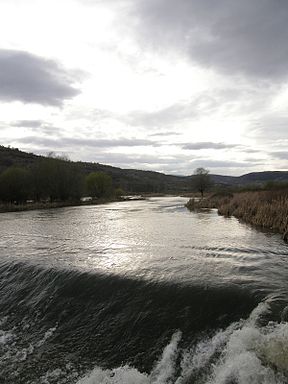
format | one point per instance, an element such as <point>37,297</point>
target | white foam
<point>120,375</point>
<point>22,354</point>
<point>261,310</point>
<point>3,320</point>
<point>46,336</point>
<point>162,373</point>
<point>13,348</point>
<point>5,337</point>
<point>165,368</point>
<point>198,359</point>
<point>51,376</point>
<point>243,353</point>
<point>245,359</point>
<point>252,353</point>
<point>274,346</point>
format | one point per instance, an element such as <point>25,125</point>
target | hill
<point>253,178</point>
<point>133,180</point>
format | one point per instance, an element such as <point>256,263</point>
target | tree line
<point>53,179</point>
<point>57,179</point>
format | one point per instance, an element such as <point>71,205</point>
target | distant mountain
<point>133,180</point>
<point>251,178</point>
<point>263,177</point>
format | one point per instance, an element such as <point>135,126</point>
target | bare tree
<point>201,180</point>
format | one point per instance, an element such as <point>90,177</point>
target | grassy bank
<point>265,209</point>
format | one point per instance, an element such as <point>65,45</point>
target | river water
<point>141,292</point>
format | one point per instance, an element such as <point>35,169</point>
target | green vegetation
<point>137,181</point>
<point>98,184</point>
<point>52,181</point>
<point>56,179</point>
<point>129,180</point>
<point>15,185</point>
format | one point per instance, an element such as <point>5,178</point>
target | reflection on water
<point>155,239</point>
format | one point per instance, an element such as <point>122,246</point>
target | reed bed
<point>266,209</point>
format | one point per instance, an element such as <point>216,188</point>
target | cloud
<point>32,79</point>
<point>36,126</point>
<point>168,133</point>
<point>208,163</point>
<point>177,164</point>
<point>282,155</point>
<point>269,127</point>
<point>27,123</point>
<point>208,145</point>
<point>250,150</point>
<point>139,159</point>
<point>184,110</point>
<point>224,99</point>
<point>65,142</point>
<point>162,117</point>
<point>233,36</point>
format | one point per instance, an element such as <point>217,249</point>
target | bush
<point>99,184</point>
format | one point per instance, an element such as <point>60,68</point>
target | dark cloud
<point>234,36</point>
<point>208,145</point>
<point>32,79</point>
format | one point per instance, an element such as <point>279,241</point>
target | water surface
<point>141,292</point>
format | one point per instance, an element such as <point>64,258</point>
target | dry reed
<point>266,209</point>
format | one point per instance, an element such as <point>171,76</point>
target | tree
<point>201,180</point>
<point>57,179</point>
<point>99,184</point>
<point>15,185</point>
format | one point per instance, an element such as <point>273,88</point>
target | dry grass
<point>267,209</point>
<point>211,201</point>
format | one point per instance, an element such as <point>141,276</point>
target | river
<point>141,292</point>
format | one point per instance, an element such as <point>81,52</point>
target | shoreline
<point>5,208</point>
<point>260,209</point>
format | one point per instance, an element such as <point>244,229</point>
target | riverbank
<point>60,204</point>
<point>265,209</point>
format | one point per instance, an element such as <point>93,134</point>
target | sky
<point>163,85</point>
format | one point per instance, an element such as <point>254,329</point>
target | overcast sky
<point>164,85</point>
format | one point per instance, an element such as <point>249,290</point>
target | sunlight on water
<point>153,239</point>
